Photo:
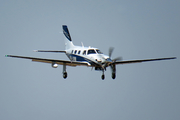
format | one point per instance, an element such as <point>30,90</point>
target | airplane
<point>85,56</point>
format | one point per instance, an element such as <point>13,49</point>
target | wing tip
<point>7,55</point>
<point>173,58</point>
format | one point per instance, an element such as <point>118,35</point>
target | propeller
<point>110,61</point>
<point>112,66</point>
<point>116,59</point>
<point>110,54</point>
<point>110,51</point>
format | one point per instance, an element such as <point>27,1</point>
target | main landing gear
<point>64,71</point>
<point>65,75</point>
<point>113,75</point>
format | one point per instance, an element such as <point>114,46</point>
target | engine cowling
<point>54,65</point>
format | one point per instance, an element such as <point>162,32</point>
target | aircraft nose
<point>109,60</point>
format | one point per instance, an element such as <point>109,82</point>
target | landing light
<point>54,65</point>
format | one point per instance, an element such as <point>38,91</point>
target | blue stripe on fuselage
<point>81,59</point>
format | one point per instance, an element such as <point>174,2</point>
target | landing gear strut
<point>64,71</point>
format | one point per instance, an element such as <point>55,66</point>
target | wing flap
<point>60,62</point>
<point>145,60</point>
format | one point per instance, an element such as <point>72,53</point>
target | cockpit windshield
<point>99,52</point>
<point>94,51</point>
<point>91,51</point>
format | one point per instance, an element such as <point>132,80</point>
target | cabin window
<point>84,52</point>
<point>79,52</point>
<point>99,52</point>
<point>72,51</point>
<point>75,51</point>
<point>92,51</point>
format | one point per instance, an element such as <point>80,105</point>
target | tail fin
<point>68,40</point>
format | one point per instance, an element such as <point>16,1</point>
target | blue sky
<point>137,29</point>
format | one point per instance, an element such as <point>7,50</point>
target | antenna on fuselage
<point>82,44</point>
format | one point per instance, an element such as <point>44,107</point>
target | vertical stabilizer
<point>68,40</point>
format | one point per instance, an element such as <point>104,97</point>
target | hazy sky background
<point>138,29</point>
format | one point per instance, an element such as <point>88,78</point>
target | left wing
<point>60,62</point>
<point>55,51</point>
<point>145,60</point>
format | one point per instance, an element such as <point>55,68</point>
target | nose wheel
<point>103,77</point>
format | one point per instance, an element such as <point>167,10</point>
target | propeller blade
<point>110,51</point>
<point>116,59</point>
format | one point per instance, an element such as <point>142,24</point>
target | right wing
<point>60,62</point>
<point>139,61</point>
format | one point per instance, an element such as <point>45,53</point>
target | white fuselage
<point>92,56</point>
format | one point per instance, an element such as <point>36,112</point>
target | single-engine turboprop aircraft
<point>85,56</point>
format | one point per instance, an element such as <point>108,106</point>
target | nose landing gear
<point>103,76</point>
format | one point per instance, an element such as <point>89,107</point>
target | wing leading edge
<point>60,62</point>
<point>145,60</point>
